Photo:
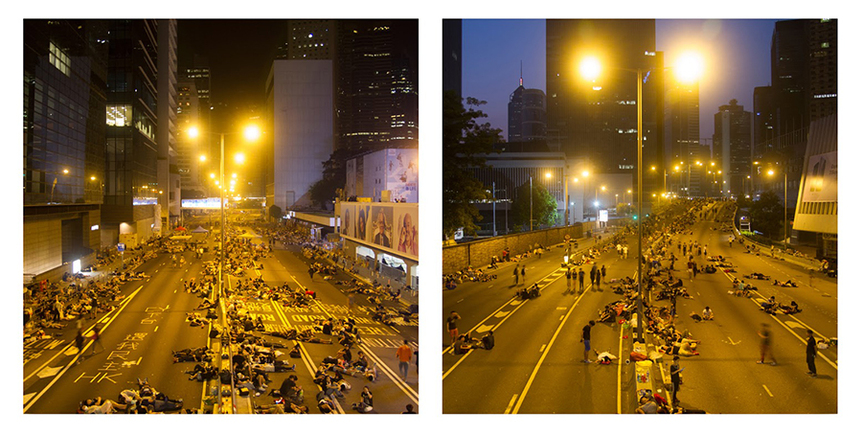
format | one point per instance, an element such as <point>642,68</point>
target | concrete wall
<point>478,253</point>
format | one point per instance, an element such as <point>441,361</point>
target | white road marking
<point>511,403</point>
<point>767,391</point>
<point>541,349</point>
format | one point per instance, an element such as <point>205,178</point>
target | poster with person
<point>362,216</point>
<point>381,226</point>
<point>406,232</point>
<point>347,224</point>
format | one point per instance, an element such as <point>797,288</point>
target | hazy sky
<point>736,54</point>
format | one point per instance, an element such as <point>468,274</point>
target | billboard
<point>387,225</point>
<point>821,178</point>
<point>402,173</point>
<point>203,203</point>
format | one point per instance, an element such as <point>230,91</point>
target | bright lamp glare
<point>689,67</point>
<point>239,158</point>
<point>590,68</point>
<point>252,133</point>
<point>193,132</point>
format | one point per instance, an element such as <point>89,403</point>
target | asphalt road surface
<point>536,365</point>
<point>151,321</point>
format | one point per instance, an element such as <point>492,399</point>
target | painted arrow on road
<point>482,329</point>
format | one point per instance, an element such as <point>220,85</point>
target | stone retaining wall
<point>478,253</point>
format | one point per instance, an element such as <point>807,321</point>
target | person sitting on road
<point>488,341</point>
<point>707,314</point>
<point>361,361</point>
<point>647,406</point>
<point>100,406</point>
<point>325,404</point>
<point>793,308</point>
<point>366,405</point>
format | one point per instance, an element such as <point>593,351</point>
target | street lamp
<point>688,68</point>
<point>251,133</point>
<point>784,224</point>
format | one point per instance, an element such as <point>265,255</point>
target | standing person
<point>79,344</point>
<point>523,275</point>
<point>604,273</point>
<point>568,279</point>
<point>625,252</point>
<point>593,275</point>
<point>311,272</point>
<point>452,324</point>
<point>585,338</point>
<point>580,279</point>
<point>95,338</point>
<point>675,379</point>
<point>515,273</point>
<point>404,354</point>
<point>810,353</point>
<point>765,344</point>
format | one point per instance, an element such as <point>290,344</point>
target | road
<point>536,365</point>
<point>151,321</point>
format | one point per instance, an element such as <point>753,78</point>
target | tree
<point>767,215</point>
<point>544,206</point>
<point>324,191</point>
<point>465,140</point>
<point>275,212</point>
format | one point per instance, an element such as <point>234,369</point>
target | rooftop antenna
<point>521,80</point>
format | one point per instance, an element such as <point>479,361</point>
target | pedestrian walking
<point>625,252</point>
<point>675,379</point>
<point>79,344</point>
<point>810,353</point>
<point>585,338</point>
<point>580,279</point>
<point>765,344</point>
<point>452,324</point>
<point>523,275</point>
<point>515,274</point>
<point>95,338</point>
<point>311,273</point>
<point>404,354</point>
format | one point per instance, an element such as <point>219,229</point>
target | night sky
<point>240,54</point>
<point>736,53</point>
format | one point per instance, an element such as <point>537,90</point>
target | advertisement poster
<point>382,226</point>
<point>402,174</point>
<point>362,215</point>
<point>406,224</point>
<point>347,223</point>
<point>821,178</point>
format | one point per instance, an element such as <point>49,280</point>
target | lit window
<point>59,59</point>
<point>119,116</point>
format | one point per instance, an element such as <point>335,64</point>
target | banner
<point>392,226</point>
<point>382,225</point>
<point>821,178</point>
<point>406,232</point>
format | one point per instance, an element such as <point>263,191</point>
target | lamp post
<point>784,223</point>
<point>689,65</point>
<point>531,203</point>
<point>251,133</point>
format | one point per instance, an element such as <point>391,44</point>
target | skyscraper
<point>377,84</point>
<point>65,72</point>
<point>169,192</point>
<point>452,56</point>
<point>731,146</point>
<point>684,134</point>
<point>528,119</point>
<point>131,179</point>
<point>597,121</point>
